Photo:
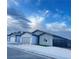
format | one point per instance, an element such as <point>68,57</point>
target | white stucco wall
<point>34,40</point>
<point>18,39</point>
<point>45,38</point>
<point>26,38</point>
<point>12,39</point>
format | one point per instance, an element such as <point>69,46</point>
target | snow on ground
<point>58,53</point>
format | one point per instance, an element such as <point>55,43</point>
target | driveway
<point>13,53</point>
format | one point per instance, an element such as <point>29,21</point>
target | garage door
<point>26,40</point>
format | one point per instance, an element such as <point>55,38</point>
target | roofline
<point>20,34</point>
<point>48,33</point>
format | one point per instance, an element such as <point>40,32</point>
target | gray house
<point>22,38</point>
<point>14,37</point>
<point>11,38</point>
<point>38,37</point>
<point>26,38</point>
<point>48,39</point>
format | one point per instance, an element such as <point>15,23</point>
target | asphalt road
<point>18,54</point>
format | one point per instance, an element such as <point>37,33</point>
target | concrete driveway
<point>18,54</point>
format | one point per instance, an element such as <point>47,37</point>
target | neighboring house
<point>14,37</point>
<point>48,39</point>
<point>29,38</point>
<point>22,38</point>
<point>26,38</point>
<point>38,37</point>
<point>18,36</point>
<point>11,38</point>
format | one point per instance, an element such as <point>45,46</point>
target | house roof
<point>16,33</point>
<point>37,32</point>
<point>62,34</point>
<point>65,35</point>
<point>19,33</point>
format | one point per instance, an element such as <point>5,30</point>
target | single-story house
<point>39,37</point>
<point>11,38</point>
<point>22,38</point>
<point>28,38</point>
<point>14,37</point>
<point>49,39</point>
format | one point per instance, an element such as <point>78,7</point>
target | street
<point>17,54</point>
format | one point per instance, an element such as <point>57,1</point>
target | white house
<point>14,37</point>
<point>48,39</point>
<point>44,38</point>
<point>26,38</point>
<point>11,38</point>
<point>22,38</point>
<point>29,38</point>
<point>38,37</point>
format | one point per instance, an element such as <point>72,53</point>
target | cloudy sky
<point>54,15</point>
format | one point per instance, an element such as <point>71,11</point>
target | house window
<point>45,40</point>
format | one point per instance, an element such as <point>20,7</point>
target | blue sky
<point>54,15</point>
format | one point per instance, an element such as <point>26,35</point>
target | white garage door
<point>26,40</point>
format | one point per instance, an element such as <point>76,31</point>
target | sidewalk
<point>58,53</point>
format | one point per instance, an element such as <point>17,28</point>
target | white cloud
<point>15,25</point>
<point>12,23</point>
<point>57,26</point>
<point>36,22</point>
<point>37,19</point>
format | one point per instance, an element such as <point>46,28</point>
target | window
<point>45,40</point>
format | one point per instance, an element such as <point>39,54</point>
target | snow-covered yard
<point>58,53</point>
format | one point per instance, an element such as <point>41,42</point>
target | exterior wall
<point>18,39</point>
<point>12,39</point>
<point>46,40</point>
<point>26,38</point>
<point>34,40</point>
